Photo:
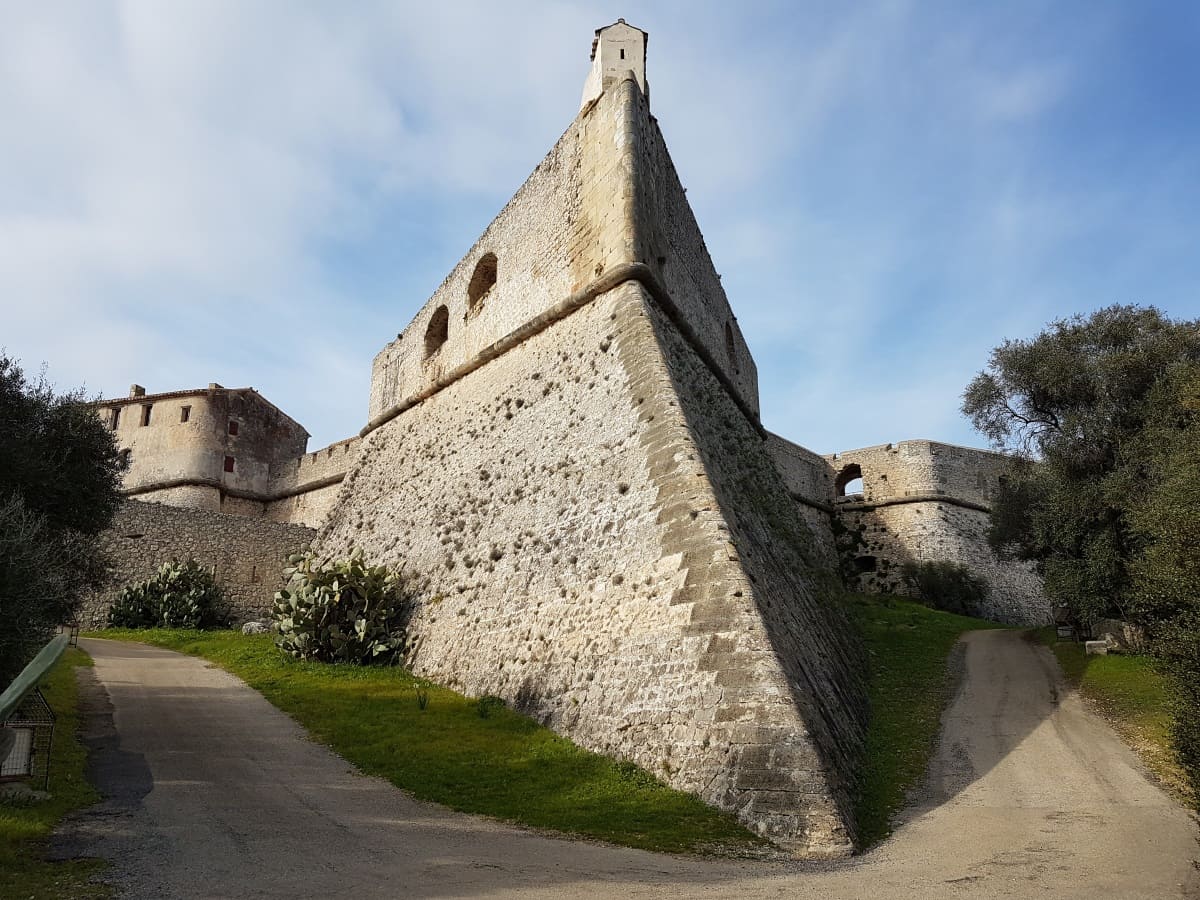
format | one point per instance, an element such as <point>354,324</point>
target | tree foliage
<point>60,477</point>
<point>1103,417</point>
<point>1077,399</point>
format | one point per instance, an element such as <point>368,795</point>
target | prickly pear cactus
<point>340,611</point>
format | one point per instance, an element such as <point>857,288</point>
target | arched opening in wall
<point>437,332</point>
<point>731,347</point>
<point>482,281</point>
<point>849,481</point>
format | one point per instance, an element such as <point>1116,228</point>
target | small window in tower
<point>185,413</point>
<point>229,464</point>
<point>126,457</point>
<point>233,426</point>
<point>437,332</point>
<point>622,53</point>
<point>483,279</point>
<point>146,414</point>
<point>116,418</point>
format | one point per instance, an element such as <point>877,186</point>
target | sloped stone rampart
<point>246,553</point>
<point>569,553</point>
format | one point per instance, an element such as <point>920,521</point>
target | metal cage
<point>29,756</point>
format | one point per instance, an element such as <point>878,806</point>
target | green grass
<point>506,765</point>
<point>908,646</point>
<point>1133,696</point>
<point>24,829</point>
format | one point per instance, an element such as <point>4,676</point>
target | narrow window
<point>622,53</point>
<point>126,458</point>
<point>482,280</point>
<point>229,464</point>
<point>233,426</point>
<point>849,481</point>
<point>146,414</point>
<point>731,348</point>
<point>437,332</point>
<point>116,417</point>
<point>185,413</point>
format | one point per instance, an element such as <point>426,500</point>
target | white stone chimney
<point>616,49</point>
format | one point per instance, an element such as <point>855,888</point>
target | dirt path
<point>214,793</point>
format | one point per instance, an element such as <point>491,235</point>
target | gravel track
<point>214,793</point>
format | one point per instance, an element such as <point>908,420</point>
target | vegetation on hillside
<point>1102,415</point>
<point>60,476</point>
<point>26,826</point>
<point>908,648</point>
<point>948,586</point>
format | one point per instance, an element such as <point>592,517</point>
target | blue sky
<point>263,193</point>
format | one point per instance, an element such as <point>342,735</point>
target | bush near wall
<point>340,611</point>
<point>178,595</point>
<point>948,586</point>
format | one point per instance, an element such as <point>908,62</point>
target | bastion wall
<point>564,454</point>
<point>924,501</point>
<point>588,539</point>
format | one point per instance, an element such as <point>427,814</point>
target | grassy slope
<point>505,766</point>
<point>509,767</point>
<point>1133,697</point>
<point>24,829</point>
<point>909,646</point>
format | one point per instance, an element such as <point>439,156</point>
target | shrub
<point>1177,644</point>
<point>947,586</point>
<point>178,595</point>
<point>340,611</point>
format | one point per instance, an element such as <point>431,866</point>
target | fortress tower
<point>564,449</point>
<point>564,453</point>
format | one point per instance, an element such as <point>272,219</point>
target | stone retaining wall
<point>246,553</point>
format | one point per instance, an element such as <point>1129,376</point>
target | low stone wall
<point>246,554</point>
<point>933,531</point>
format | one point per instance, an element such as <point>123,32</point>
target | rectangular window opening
<point>116,418</point>
<point>185,413</point>
<point>622,53</point>
<point>229,464</point>
<point>233,427</point>
<point>146,414</point>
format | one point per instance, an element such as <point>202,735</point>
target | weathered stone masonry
<point>564,452</point>
<point>247,554</point>
<point>589,544</point>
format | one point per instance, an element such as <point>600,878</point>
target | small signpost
<point>27,721</point>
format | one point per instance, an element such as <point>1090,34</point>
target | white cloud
<point>263,192</point>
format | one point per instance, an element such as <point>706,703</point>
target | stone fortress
<point>564,452</point>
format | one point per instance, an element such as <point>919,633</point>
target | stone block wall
<point>606,195</point>
<point>938,531</point>
<point>246,553</point>
<point>923,501</point>
<point>808,478</point>
<point>670,243</point>
<point>306,489</point>
<point>924,468</point>
<point>572,551</point>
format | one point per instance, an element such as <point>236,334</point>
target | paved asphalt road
<point>213,793</point>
